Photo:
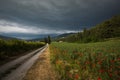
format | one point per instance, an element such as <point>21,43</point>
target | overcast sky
<point>36,17</point>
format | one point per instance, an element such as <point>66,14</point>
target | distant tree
<point>45,40</point>
<point>84,30</point>
<point>49,39</point>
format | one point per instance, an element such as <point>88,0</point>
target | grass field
<point>91,61</point>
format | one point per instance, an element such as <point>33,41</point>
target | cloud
<point>54,16</point>
<point>9,27</point>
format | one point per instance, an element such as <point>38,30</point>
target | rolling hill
<point>107,29</point>
<point>6,37</point>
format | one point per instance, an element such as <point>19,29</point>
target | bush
<point>9,48</point>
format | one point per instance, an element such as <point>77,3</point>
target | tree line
<point>108,29</point>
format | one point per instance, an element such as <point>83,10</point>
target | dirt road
<point>42,69</point>
<point>23,64</point>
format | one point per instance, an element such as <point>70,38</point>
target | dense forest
<point>108,29</point>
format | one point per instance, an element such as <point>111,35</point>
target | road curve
<point>27,61</point>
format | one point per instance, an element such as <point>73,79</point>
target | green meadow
<point>86,61</point>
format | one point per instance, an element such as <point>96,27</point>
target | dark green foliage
<point>47,40</point>
<point>108,29</point>
<point>9,48</point>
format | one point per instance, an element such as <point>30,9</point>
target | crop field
<point>90,61</point>
<point>12,48</point>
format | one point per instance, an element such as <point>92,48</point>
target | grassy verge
<point>42,69</point>
<point>91,61</point>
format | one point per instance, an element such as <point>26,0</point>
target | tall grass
<point>92,61</point>
<point>10,48</point>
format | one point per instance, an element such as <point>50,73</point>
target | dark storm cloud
<point>58,14</point>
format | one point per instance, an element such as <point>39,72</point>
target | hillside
<point>6,38</point>
<point>107,29</point>
<point>62,36</point>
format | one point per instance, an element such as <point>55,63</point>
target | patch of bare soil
<point>42,69</point>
